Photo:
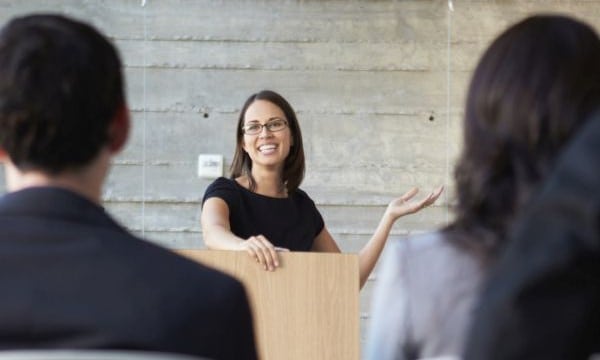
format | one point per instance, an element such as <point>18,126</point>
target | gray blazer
<point>423,299</point>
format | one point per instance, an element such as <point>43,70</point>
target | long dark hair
<point>532,89</point>
<point>293,169</point>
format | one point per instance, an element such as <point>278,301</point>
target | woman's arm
<point>368,255</point>
<point>217,234</point>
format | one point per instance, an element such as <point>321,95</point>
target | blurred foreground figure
<point>543,299</point>
<point>535,86</point>
<point>71,277</point>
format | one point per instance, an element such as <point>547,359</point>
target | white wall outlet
<point>210,166</point>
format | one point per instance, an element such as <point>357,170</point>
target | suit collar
<point>54,202</point>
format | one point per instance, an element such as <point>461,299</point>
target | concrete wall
<point>378,87</point>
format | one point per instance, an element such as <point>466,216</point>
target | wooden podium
<point>306,309</point>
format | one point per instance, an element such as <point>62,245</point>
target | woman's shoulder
<point>433,252</point>
<point>221,187</point>
<point>441,281</point>
<point>419,242</point>
<point>301,194</point>
<point>224,183</point>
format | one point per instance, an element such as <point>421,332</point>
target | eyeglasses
<point>272,125</point>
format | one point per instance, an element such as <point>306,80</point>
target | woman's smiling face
<point>267,148</point>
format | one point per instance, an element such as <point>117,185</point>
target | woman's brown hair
<point>533,88</point>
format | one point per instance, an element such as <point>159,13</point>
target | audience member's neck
<point>86,182</point>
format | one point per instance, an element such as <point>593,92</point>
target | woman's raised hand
<point>261,249</point>
<point>405,204</point>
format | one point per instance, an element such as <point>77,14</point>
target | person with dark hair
<point>261,209</point>
<point>73,277</point>
<point>542,300</point>
<point>533,88</point>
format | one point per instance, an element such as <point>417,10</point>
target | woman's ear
<point>118,131</point>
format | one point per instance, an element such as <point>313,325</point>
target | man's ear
<point>118,130</point>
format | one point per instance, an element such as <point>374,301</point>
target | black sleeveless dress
<point>291,222</point>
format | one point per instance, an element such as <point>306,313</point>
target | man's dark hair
<point>60,85</point>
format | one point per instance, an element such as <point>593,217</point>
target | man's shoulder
<point>169,262</point>
<point>183,280</point>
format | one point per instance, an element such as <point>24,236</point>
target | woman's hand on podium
<point>261,249</point>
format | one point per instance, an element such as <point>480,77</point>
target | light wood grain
<point>307,309</point>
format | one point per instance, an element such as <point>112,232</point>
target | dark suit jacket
<point>543,299</point>
<point>71,277</point>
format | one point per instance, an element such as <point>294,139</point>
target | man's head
<point>61,89</point>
